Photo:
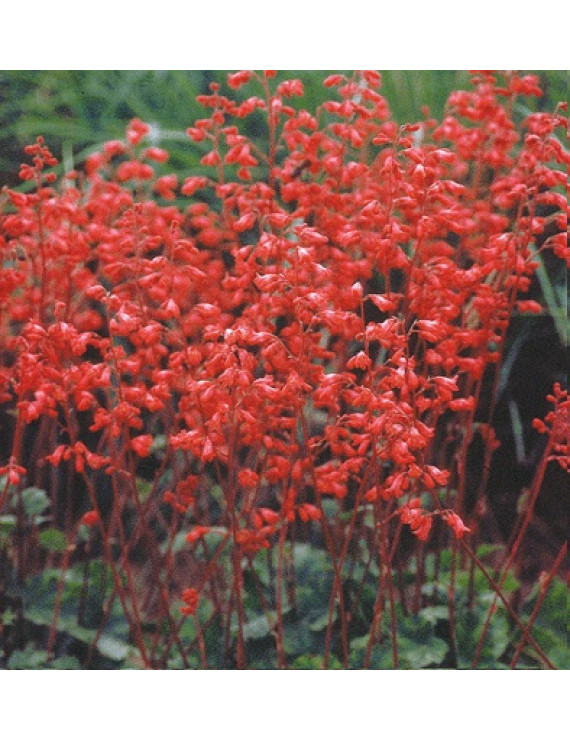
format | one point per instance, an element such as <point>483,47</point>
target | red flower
<point>136,131</point>
<point>142,445</point>
<point>455,523</point>
<point>197,533</point>
<point>90,518</point>
<point>156,154</point>
<point>237,79</point>
<point>309,512</point>
<point>300,329</point>
<point>191,599</point>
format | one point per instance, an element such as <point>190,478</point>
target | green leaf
<point>469,629</point>
<point>65,662</point>
<point>144,488</point>
<point>320,623</point>
<point>158,444</point>
<point>380,657</point>
<point>34,501</point>
<point>29,658</point>
<point>431,652</point>
<point>257,628</point>
<point>560,656</point>
<point>314,575</point>
<point>330,508</point>
<point>510,583</point>
<point>84,533</point>
<point>7,523</point>
<point>308,661</point>
<point>112,648</point>
<point>435,614</point>
<point>179,543</point>
<point>488,550</point>
<point>7,618</point>
<point>53,540</point>
<point>554,609</point>
<point>417,645</point>
<point>299,639</point>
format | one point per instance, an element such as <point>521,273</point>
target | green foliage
<point>554,288</point>
<point>53,540</point>
<point>423,640</point>
<point>469,629</point>
<point>314,662</point>
<point>551,627</point>
<point>7,527</point>
<point>29,658</point>
<point>417,646</point>
<point>34,501</point>
<point>81,613</point>
<point>77,110</point>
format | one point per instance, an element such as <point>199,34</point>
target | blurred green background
<point>77,110</point>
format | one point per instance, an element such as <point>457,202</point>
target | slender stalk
<point>513,552</point>
<point>497,589</point>
<point>544,586</point>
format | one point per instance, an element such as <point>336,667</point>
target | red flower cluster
<point>191,599</point>
<point>289,325</point>
<point>556,424</point>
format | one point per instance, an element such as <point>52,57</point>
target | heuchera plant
<point>287,345</point>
